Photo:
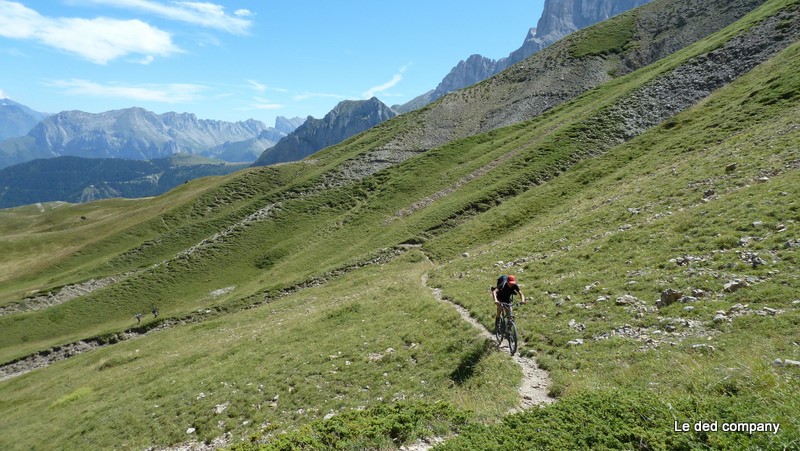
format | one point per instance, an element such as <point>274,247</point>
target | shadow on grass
<point>465,370</point>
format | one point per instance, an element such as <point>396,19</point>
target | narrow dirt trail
<point>535,381</point>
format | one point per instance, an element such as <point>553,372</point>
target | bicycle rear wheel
<point>512,337</point>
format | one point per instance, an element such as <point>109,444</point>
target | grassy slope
<point>581,241</point>
<point>309,235</point>
<point>568,228</point>
<point>385,339</point>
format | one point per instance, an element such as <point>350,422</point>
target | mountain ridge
<point>345,120</point>
<point>17,119</point>
<point>138,134</point>
<point>559,18</point>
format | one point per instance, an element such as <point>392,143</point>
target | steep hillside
<point>298,305</point>
<point>559,19</point>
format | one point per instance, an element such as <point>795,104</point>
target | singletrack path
<point>535,381</point>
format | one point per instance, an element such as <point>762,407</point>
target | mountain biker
<point>502,294</point>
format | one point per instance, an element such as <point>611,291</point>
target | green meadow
<point>293,312</point>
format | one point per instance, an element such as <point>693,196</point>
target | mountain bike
<point>506,327</point>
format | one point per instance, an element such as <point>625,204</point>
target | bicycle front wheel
<point>500,329</point>
<point>512,337</point>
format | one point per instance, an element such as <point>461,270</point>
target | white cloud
<point>267,106</point>
<point>257,86</point>
<point>314,95</point>
<point>164,93</point>
<point>98,40</point>
<point>396,78</point>
<point>3,95</point>
<point>204,14</point>
<point>262,88</point>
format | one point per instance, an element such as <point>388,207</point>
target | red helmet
<point>512,279</point>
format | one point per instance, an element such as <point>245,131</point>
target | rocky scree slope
<point>559,19</point>
<point>558,74</point>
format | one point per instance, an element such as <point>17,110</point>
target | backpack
<point>502,281</point>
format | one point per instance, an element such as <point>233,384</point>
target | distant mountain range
<point>559,18</point>
<point>76,179</point>
<point>17,119</point>
<point>138,134</point>
<point>347,119</point>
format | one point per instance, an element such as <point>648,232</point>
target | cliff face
<point>469,72</point>
<point>347,119</point>
<point>559,18</point>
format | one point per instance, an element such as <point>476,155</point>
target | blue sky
<point>239,59</point>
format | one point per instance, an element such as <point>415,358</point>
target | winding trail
<point>535,381</point>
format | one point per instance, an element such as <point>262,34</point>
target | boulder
<point>735,285</point>
<point>669,296</point>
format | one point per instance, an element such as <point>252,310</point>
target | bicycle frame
<point>507,327</point>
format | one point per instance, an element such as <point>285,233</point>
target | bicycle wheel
<point>512,337</point>
<point>500,329</point>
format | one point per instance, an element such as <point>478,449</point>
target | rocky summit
<point>559,18</point>
<point>347,119</point>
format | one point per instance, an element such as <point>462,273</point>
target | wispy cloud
<point>98,40</point>
<point>204,14</point>
<point>262,88</point>
<point>314,95</point>
<point>3,94</point>
<point>257,86</point>
<point>265,104</point>
<point>396,78</point>
<point>164,93</point>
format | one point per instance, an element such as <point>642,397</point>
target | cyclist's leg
<point>508,310</point>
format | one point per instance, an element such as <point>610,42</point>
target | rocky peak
<point>286,125</point>
<point>559,18</point>
<point>346,119</point>
<point>17,119</point>
<point>474,69</point>
<point>562,17</point>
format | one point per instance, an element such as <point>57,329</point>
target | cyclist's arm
<point>521,297</point>
<point>494,295</point>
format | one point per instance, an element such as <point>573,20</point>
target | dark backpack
<point>502,281</point>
